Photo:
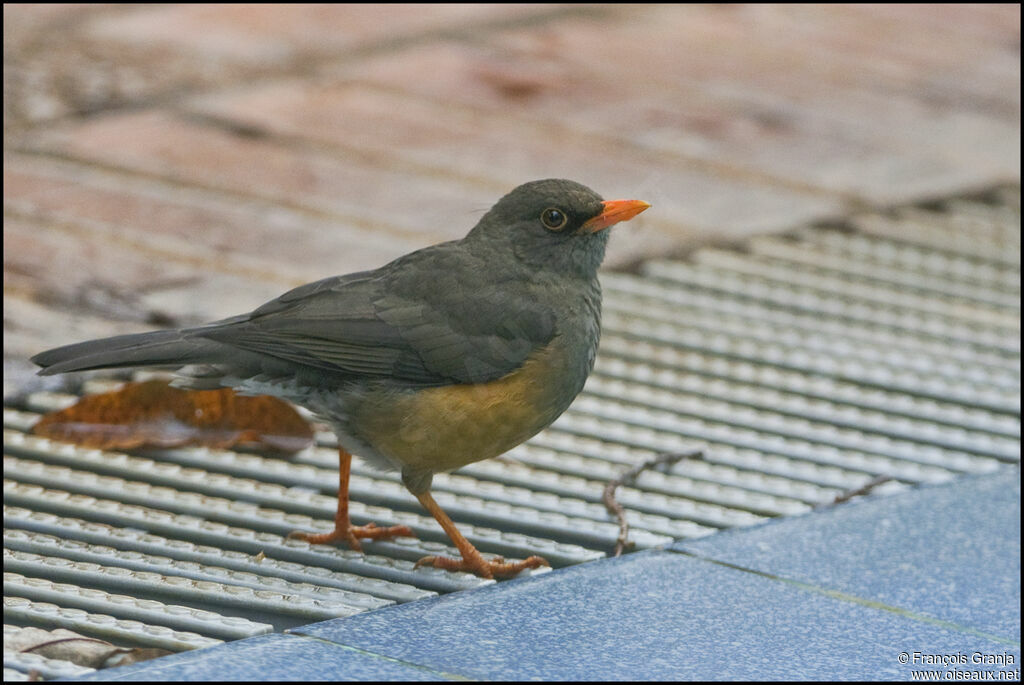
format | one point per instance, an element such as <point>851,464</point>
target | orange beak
<point>614,212</point>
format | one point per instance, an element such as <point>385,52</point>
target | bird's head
<point>553,224</point>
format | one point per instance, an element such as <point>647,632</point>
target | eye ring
<point>554,219</point>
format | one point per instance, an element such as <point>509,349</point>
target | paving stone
<point>76,59</point>
<point>951,552</point>
<point>31,327</point>
<point>82,274</point>
<point>270,657</point>
<point>649,616</point>
<point>763,110</point>
<point>53,70</point>
<point>196,154</point>
<point>501,151</point>
<point>276,33</point>
<point>205,229</point>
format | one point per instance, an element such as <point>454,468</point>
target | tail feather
<point>159,348</point>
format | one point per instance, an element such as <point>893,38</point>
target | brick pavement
<point>176,163</point>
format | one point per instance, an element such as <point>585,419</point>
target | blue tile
<point>653,615</point>
<point>270,657</point>
<point>951,552</point>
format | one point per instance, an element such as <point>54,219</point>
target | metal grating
<point>805,365</point>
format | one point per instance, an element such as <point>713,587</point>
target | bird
<point>445,356</point>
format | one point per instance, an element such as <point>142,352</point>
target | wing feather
<point>393,324</point>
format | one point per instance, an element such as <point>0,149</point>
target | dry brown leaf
<point>153,414</point>
<point>78,649</point>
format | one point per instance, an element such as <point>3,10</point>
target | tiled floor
<point>841,593</point>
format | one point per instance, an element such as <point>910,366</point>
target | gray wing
<point>430,318</point>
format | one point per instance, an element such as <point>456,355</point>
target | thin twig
<point>55,641</point>
<point>856,492</point>
<point>627,478</point>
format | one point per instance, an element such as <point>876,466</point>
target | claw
<point>352,534</point>
<point>495,568</point>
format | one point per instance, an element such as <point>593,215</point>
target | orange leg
<point>343,528</point>
<point>472,561</point>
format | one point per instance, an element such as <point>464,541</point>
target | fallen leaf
<point>78,649</point>
<point>153,414</point>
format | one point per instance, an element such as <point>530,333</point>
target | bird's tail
<point>159,348</point>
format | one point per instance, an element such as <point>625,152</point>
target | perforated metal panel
<point>804,365</point>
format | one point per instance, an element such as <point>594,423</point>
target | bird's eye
<point>554,219</point>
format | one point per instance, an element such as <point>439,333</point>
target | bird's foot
<point>352,534</point>
<point>494,568</point>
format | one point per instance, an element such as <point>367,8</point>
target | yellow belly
<point>443,428</point>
